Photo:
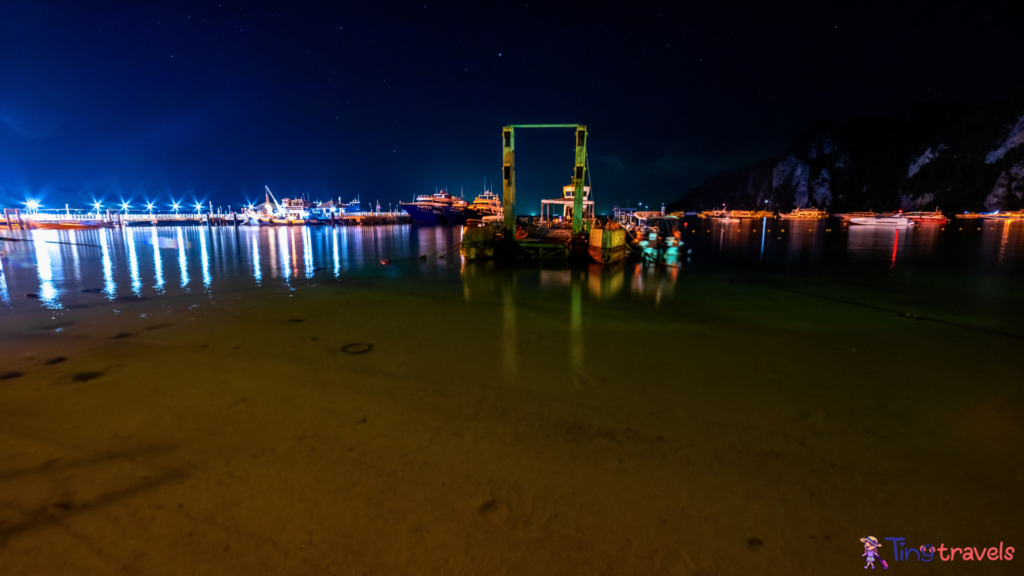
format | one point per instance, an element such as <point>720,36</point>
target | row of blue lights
<point>33,205</point>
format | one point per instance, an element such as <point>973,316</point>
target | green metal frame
<point>508,175</point>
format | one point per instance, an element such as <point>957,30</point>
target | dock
<point>14,218</point>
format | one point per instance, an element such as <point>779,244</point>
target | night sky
<point>213,100</point>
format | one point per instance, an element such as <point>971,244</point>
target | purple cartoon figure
<point>870,554</point>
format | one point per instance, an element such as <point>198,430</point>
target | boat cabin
<point>567,202</point>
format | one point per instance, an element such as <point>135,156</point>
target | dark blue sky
<point>214,100</point>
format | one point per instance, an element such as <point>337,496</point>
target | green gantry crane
<point>508,175</point>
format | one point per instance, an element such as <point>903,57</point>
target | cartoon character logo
<point>870,554</point>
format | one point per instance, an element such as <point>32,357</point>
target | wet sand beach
<point>480,419</point>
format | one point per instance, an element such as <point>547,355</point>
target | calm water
<point>249,401</point>
<point>971,268</point>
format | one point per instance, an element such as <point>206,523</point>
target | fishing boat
<point>353,206</point>
<point>656,234</point>
<point>889,221</point>
<point>968,215</point>
<point>742,214</point>
<point>935,217</point>
<point>1009,215</point>
<point>288,212</point>
<point>804,214</point>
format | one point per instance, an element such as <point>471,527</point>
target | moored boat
<point>804,214</point>
<point>607,244</point>
<point>478,240</point>
<point>935,217</point>
<point>486,204</point>
<point>68,224</point>
<point>890,221</point>
<point>846,216</point>
<point>428,210</point>
<point>456,212</point>
<point>1008,215</point>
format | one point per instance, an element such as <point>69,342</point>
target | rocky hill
<point>953,155</point>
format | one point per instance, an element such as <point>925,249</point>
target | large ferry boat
<point>890,221</point>
<point>804,214</point>
<point>428,210</point>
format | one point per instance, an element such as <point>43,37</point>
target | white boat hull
<point>892,222</point>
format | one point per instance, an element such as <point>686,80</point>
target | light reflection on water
<point>4,295</point>
<point>133,262</point>
<point>58,265</point>
<point>182,259</point>
<point>44,268</point>
<point>257,272</point>
<point>158,263</point>
<point>205,259</point>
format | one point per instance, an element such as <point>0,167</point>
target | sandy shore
<point>494,428</point>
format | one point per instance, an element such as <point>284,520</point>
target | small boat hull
<point>478,242</point>
<point>455,214</point>
<point>607,246</point>
<point>425,215</point>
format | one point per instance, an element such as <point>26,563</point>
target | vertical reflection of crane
<point>509,327</point>
<point>576,329</point>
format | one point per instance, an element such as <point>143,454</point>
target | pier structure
<point>13,218</point>
<point>552,245</point>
